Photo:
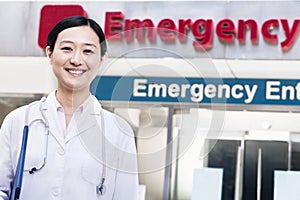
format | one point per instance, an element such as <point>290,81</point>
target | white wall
<point>26,75</point>
<point>34,74</point>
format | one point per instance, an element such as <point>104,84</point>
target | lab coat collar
<point>34,112</point>
<point>87,119</point>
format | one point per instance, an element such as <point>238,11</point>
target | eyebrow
<point>71,42</point>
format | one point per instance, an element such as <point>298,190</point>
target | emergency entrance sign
<point>174,90</point>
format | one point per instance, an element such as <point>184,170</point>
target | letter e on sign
<point>51,14</point>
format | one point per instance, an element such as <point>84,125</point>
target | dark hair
<point>75,21</point>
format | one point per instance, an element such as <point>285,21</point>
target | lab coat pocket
<point>91,172</point>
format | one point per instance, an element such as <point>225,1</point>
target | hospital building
<point>211,89</point>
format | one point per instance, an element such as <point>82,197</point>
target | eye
<point>66,49</point>
<point>88,51</point>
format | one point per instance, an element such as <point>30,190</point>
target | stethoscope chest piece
<point>101,189</point>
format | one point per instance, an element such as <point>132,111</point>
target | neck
<point>71,100</point>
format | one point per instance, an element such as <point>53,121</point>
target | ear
<point>104,57</point>
<point>48,52</point>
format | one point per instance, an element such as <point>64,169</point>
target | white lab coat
<point>74,164</point>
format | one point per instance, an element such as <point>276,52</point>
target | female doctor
<point>76,150</point>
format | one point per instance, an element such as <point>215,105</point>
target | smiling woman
<point>86,149</point>
<point>75,59</point>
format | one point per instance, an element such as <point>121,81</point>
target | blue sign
<point>197,90</point>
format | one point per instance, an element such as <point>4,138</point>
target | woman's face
<point>76,58</point>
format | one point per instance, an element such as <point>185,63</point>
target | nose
<point>76,58</point>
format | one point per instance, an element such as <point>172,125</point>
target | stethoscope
<point>101,188</point>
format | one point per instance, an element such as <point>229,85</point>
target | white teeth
<point>77,72</point>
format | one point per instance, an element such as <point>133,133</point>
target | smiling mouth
<point>75,72</point>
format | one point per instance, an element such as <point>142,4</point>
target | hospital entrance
<point>249,157</point>
<point>255,155</point>
<point>192,142</point>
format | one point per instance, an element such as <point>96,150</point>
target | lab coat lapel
<point>83,123</point>
<point>87,121</point>
<point>51,115</point>
<point>90,131</point>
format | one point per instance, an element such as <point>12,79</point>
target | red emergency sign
<point>51,14</point>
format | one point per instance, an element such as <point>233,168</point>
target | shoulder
<point>15,114</point>
<point>116,125</point>
<point>121,124</point>
<point>18,115</point>
<point>15,119</point>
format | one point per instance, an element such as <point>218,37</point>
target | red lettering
<point>225,30</point>
<point>266,30</point>
<point>116,27</point>
<point>203,33</point>
<point>113,25</point>
<point>183,27</point>
<point>202,30</point>
<point>291,35</point>
<point>245,25</point>
<point>141,27</point>
<point>166,29</point>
